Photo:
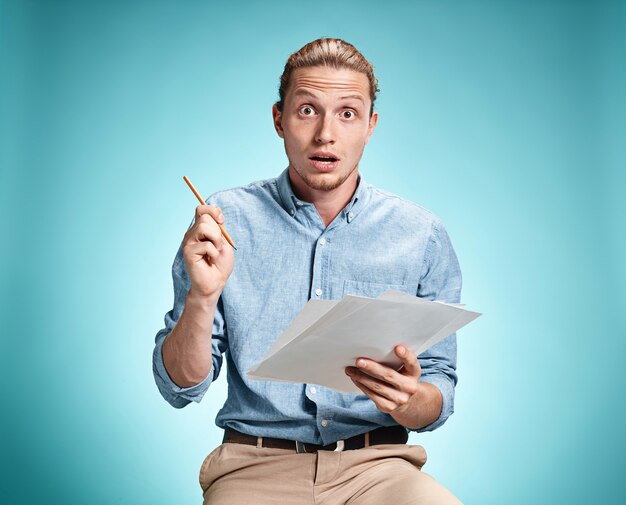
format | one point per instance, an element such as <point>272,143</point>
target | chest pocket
<point>370,289</point>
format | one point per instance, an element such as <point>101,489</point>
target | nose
<point>325,132</point>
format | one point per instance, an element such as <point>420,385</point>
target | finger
<point>410,363</point>
<point>383,404</point>
<point>379,387</point>
<point>387,374</point>
<point>208,230</point>
<point>199,219</point>
<point>211,210</point>
<point>199,250</point>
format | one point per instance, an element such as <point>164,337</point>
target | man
<point>317,231</point>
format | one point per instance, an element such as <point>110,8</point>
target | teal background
<point>504,118</point>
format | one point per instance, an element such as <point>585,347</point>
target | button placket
<point>320,262</point>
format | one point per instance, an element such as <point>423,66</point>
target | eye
<point>348,114</point>
<point>306,110</point>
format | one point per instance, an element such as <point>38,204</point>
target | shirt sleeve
<point>176,396</point>
<point>441,281</point>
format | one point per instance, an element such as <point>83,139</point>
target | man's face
<point>325,124</point>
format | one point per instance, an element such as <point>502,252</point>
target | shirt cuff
<point>176,396</point>
<point>446,389</point>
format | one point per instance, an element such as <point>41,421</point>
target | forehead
<point>326,80</point>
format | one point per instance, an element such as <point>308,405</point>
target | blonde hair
<point>334,53</point>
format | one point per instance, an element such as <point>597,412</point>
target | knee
<point>427,491</point>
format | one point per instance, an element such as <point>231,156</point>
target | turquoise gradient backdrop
<point>504,118</point>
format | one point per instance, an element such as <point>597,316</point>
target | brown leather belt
<point>384,435</point>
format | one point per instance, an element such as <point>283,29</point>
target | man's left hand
<point>399,393</point>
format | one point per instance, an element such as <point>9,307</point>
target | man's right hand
<point>208,256</point>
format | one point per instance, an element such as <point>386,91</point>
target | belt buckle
<point>300,449</point>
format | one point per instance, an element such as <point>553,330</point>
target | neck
<point>329,203</point>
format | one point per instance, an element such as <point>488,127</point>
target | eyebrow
<point>304,92</point>
<point>356,97</point>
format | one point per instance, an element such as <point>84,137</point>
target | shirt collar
<point>291,203</point>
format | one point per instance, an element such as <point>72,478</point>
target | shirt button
<point>350,216</point>
<point>292,211</point>
<point>322,241</point>
<point>318,292</point>
<point>324,423</point>
<point>312,390</point>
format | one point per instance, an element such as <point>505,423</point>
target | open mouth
<point>324,159</point>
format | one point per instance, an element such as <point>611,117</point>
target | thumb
<point>410,363</point>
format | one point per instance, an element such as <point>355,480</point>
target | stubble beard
<point>322,184</point>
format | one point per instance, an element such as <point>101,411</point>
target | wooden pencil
<point>202,202</point>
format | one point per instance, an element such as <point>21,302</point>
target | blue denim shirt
<point>286,256</point>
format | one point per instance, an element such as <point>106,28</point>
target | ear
<point>278,121</point>
<point>372,125</point>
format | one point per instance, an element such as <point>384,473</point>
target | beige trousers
<point>238,474</point>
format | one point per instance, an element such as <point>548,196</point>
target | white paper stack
<point>326,336</point>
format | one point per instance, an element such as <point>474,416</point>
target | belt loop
<point>259,442</point>
<point>367,439</point>
<point>340,446</point>
<point>300,448</point>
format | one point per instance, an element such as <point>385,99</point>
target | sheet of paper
<point>323,339</point>
<point>311,313</point>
